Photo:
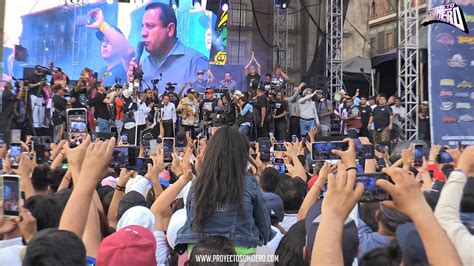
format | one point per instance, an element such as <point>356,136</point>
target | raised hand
<point>466,162</point>
<point>341,195</point>
<point>348,157</point>
<point>98,17</point>
<point>406,194</point>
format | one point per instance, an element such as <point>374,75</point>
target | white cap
<point>139,184</point>
<point>177,220</point>
<point>137,215</point>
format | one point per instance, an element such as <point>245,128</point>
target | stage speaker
<point>28,72</point>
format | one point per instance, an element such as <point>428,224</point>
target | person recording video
<point>168,55</point>
<point>115,48</point>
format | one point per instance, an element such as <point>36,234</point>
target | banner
<point>451,78</point>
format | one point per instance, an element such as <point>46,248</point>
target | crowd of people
<point>219,198</point>
<point>95,193</point>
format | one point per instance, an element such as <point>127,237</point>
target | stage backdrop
<point>54,32</point>
<point>451,78</point>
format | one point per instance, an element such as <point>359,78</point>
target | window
<point>235,16</point>
<point>391,6</point>
<point>373,43</point>
<point>389,40</point>
<point>233,52</point>
<point>373,12</point>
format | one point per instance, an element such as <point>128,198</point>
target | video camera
<point>45,70</point>
<point>171,86</point>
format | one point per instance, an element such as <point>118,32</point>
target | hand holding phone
<point>77,126</point>
<point>418,155</point>
<point>264,148</point>
<point>15,154</point>
<point>168,149</point>
<point>11,195</point>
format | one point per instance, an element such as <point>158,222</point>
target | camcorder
<point>170,86</point>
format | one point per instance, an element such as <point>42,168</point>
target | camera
<point>170,86</point>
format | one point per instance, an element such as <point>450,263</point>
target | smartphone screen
<point>321,150</point>
<point>168,147</point>
<point>264,147</point>
<point>373,192</point>
<point>418,155</point>
<point>119,158</point>
<point>444,157</point>
<point>368,151</point>
<point>15,154</point>
<point>15,136</point>
<point>294,138</point>
<point>40,157</point>
<point>280,146</point>
<point>11,195</point>
<point>142,164</point>
<point>125,138</point>
<point>77,126</point>
<point>278,161</point>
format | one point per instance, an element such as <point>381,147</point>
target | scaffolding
<point>280,37</point>
<point>408,65</point>
<point>334,31</point>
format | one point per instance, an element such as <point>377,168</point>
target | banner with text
<point>451,77</point>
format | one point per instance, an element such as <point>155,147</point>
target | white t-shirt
<point>401,111</point>
<point>288,221</point>
<point>273,244</point>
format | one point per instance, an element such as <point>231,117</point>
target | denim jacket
<point>251,230</point>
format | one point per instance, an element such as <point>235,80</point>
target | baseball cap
<point>200,72</point>
<point>275,206</point>
<point>139,184</point>
<point>132,245</point>
<point>100,36</point>
<point>350,237</point>
<point>137,215</point>
<point>209,90</point>
<point>425,102</point>
<point>410,243</point>
<point>191,90</point>
<point>129,200</point>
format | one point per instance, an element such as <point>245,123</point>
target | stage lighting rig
<point>283,4</point>
<point>174,4</point>
<point>197,4</point>
<point>225,5</point>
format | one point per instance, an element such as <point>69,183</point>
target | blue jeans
<point>306,126</point>
<point>104,125</point>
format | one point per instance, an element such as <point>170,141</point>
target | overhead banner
<point>451,77</point>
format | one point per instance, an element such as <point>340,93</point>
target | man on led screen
<point>168,56</point>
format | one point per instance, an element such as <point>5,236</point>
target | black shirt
<point>101,109</point>
<point>60,104</point>
<point>206,108</point>
<point>262,101</point>
<point>280,107</point>
<point>365,113</point>
<point>381,116</point>
<point>8,101</point>
<point>33,79</point>
<point>252,81</point>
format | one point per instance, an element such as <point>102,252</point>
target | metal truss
<point>334,31</point>
<point>79,45</point>
<point>408,64</point>
<point>280,37</point>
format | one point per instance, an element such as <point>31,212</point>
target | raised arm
<point>114,38</point>
<point>97,158</point>
<point>408,199</point>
